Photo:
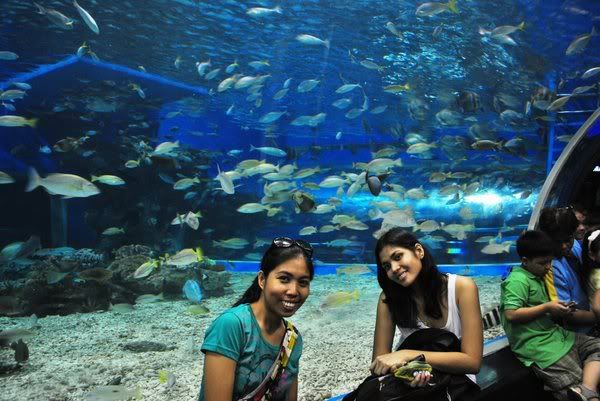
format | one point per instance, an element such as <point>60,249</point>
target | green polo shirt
<point>540,341</point>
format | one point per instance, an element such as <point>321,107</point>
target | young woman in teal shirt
<point>243,343</point>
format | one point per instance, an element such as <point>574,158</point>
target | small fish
<point>145,269</point>
<point>132,163</point>
<point>165,377</point>
<point>271,117</point>
<point>108,180</point>
<point>178,61</point>
<point>392,28</point>
<point>280,94</point>
<point>17,121</point>
<point>347,88</point>
<point>120,308</point>
<point>232,67</point>
<point>429,9</point>
<point>374,184</point>
<point>113,231</point>
<point>579,44</point>
<point>493,248</point>
<point>263,12</point>
<point>307,85</point>
<point>8,56</point>
<point>212,74</point>
<point>312,40</point>
<point>342,103</point>
<point>309,230</point>
<point>192,291</point>
<point>201,67</point>
<point>340,298</point>
<point>397,88</point>
<point>149,298</point>
<point>57,18</point>
<point>199,310</point>
<point>378,109</point>
<point>5,178</point>
<point>68,185</point>
<point>185,257</point>
<point>225,181</point>
<point>87,18</point>
<point>558,103</point>
<point>590,73</point>
<point>113,393</point>
<point>368,64</point>
<point>352,270</point>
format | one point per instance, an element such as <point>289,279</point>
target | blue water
<point>139,43</point>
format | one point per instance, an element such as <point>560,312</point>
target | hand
<point>421,379</point>
<point>558,308</point>
<point>387,363</point>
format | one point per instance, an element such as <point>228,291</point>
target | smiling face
<point>402,265</point>
<point>286,287</point>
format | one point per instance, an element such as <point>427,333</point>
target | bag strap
<point>269,383</point>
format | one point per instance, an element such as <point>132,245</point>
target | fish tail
<point>277,10</point>
<point>521,26</point>
<point>94,178</point>
<point>594,31</point>
<point>32,122</point>
<point>452,6</point>
<point>327,43</point>
<point>355,294</point>
<point>41,10</point>
<point>34,180</point>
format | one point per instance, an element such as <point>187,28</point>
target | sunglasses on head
<point>286,242</point>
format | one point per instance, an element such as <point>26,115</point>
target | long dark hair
<point>401,300</point>
<point>588,247</point>
<point>273,257</point>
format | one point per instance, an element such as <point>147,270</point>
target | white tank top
<point>453,323</point>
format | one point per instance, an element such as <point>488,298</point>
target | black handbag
<point>443,386</point>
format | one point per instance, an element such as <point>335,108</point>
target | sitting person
<point>591,268</point>
<point>564,281</point>
<point>568,363</point>
<point>415,294</point>
<point>244,343</point>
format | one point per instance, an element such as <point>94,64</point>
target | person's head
<point>283,281</point>
<point>560,224</point>
<point>591,244</point>
<point>580,215</point>
<point>403,265</point>
<point>536,251</point>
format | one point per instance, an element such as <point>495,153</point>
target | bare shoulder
<point>466,289</point>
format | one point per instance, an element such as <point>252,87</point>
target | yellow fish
<point>340,298</point>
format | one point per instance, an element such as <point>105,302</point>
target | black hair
<point>559,223</point>
<point>588,248</point>
<point>535,244</point>
<point>273,257</point>
<point>400,300</point>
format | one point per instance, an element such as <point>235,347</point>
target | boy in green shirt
<point>568,363</point>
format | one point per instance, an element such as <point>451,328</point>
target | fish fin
<point>32,122</point>
<point>521,26</point>
<point>34,180</point>
<point>452,6</point>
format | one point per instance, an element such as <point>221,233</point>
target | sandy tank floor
<point>71,355</point>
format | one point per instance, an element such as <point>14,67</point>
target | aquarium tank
<point>150,151</point>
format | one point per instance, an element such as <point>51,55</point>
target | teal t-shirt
<point>540,341</point>
<point>236,335</point>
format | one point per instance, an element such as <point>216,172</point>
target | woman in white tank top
<point>417,295</point>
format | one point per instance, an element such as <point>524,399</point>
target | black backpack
<point>443,387</point>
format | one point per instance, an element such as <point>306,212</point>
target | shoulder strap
<point>276,370</point>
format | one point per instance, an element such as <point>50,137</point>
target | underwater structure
<point>148,159</point>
